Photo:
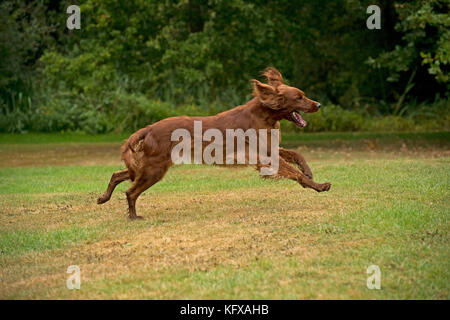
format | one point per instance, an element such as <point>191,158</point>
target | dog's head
<point>285,101</point>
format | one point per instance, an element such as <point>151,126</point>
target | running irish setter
<point>147,153</point>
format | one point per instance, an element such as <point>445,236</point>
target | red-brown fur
<point>147,153</point>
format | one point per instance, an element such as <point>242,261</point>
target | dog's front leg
<point>296,158</point>
<point>285,170</point>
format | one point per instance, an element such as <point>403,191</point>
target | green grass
<point>74,179</point>
<point>219,233</point>
<point>327,136</point>
<point>19,242</point>
<point>63,137</point>
<point>50,138</point>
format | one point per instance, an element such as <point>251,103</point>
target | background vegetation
<point>135,62</point>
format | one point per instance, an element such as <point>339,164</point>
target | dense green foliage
<point>135,62</point>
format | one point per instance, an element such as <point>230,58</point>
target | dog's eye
<point>300,98</point>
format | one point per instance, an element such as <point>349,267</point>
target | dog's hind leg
<point>116,178</point>
<point>296,158</point>
<point>145,180</point>
<point>285,170</point>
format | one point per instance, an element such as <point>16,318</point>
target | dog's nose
<point>318,106</point>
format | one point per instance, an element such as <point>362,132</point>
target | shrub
<point>334,118</point>
<point>120,111</point>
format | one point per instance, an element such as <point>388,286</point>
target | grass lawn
<point>221,233</point>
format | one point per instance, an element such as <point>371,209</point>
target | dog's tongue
<point>298,119</point>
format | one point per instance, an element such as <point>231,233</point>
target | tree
<point>419,63</point>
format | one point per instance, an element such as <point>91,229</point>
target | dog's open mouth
<point>298,120</point>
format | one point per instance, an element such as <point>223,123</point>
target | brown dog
<point>147,153</point>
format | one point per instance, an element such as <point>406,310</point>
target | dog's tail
<point>134,140</point>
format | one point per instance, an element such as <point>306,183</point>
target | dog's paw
<point>136,218</point>
<point>102,199</point>
<point>324,187</point>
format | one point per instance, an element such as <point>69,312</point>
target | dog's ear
<point>273,76</point>
<point>267,94</point>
